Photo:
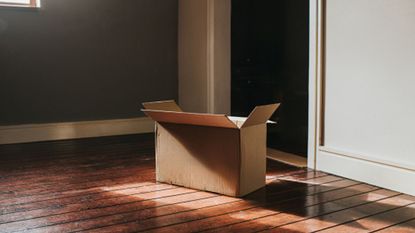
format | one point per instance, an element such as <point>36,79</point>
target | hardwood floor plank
<point>98,207</point>
<point>71,189</point>
<point>95,172</point>
<point>380,220</point>
<point>28,152</point>
<point>70,197</point>
<point>71,155</point>
<point>204,213</point>
<point>297,217</point>
<point>370,207</point>
<point>404,227</point>
<point>64,182</point>
<point>62,205</point>
<point>161,207</point>
<point>102,160</point>
<point>82,177</point>
<point>373,203</point>
<point>269,209</point>
<point>63,196</point>
<point>131,207</point>
<point>108,185</point>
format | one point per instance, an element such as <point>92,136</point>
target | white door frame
<point>316,84</point>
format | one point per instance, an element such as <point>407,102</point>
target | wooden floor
<point>108,185</point>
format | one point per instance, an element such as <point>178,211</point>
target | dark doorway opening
<point>270,56</point>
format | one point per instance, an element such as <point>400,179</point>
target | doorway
<point>269,64</point>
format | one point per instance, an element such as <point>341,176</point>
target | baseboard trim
<point>372,172</point>
<point>74,130</point>
<point>398,164</point>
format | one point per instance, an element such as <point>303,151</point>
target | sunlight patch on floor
<point>126,186</point>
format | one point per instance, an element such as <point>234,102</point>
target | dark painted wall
<point>75,60</point>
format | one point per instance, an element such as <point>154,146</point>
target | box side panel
<point>253,158</point>
<point>204,158</point>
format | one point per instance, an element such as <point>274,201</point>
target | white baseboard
<point>376,173</point>
<point>73,130</point>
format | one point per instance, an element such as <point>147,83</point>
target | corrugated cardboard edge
<point>168,111</point>
<point>260,115</point>
<point>213,120</point>
<point>165,105</point>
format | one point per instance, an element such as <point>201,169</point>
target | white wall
<point>369,112</point>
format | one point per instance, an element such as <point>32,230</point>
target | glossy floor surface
<point>108,185</point>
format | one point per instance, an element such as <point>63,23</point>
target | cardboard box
<point>211,152</point>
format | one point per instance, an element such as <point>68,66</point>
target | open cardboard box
<point>211,152</point>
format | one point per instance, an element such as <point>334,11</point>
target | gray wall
<point>75,60</point>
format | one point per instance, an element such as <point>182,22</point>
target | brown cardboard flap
<point>166,105</point>
<point>260,115</point>
<point>214,120</point>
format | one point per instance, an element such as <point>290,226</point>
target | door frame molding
<point>316,81</point>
